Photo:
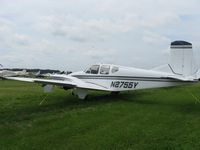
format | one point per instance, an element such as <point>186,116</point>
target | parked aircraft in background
<point>114,78</point>
<point>39,74</point>
<point>10,73</point>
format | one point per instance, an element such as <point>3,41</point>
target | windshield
<point>93,70</point>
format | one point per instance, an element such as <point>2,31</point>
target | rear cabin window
<point>114,69</point>
<point>93,70</point>
<point>105,69</point>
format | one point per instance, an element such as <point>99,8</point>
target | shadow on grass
<point>52,105</point>
<point>65,102</point>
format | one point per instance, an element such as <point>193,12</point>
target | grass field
<point>166,118</point>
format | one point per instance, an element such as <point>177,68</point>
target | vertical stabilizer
<point>181,58</point>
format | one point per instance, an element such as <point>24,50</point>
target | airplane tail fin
<point>24,71</point>
<point>181,58</point>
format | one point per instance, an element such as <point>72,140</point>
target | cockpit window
<point>105,69</point>
<point>114,69</point>
<point>93,70</point>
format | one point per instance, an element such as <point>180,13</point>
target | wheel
<point>115,93</point>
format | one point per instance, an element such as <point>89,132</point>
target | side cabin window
<point>105,69</point>
<point>114,69</point>
<point>93,70</point>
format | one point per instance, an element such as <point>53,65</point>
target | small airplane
<point>181,70</point>
<point>10,73</point>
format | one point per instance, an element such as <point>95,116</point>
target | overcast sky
<point>70,35</point>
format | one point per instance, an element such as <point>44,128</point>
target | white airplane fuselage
<point>127,78</point>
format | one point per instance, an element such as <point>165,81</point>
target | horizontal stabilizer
<point>189,79</point>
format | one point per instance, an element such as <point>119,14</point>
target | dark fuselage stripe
<point>128,78</point>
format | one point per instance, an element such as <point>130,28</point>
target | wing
<point>45,81</point>
<point>68,82</point>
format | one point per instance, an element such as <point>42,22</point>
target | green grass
<point>167,118</point>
